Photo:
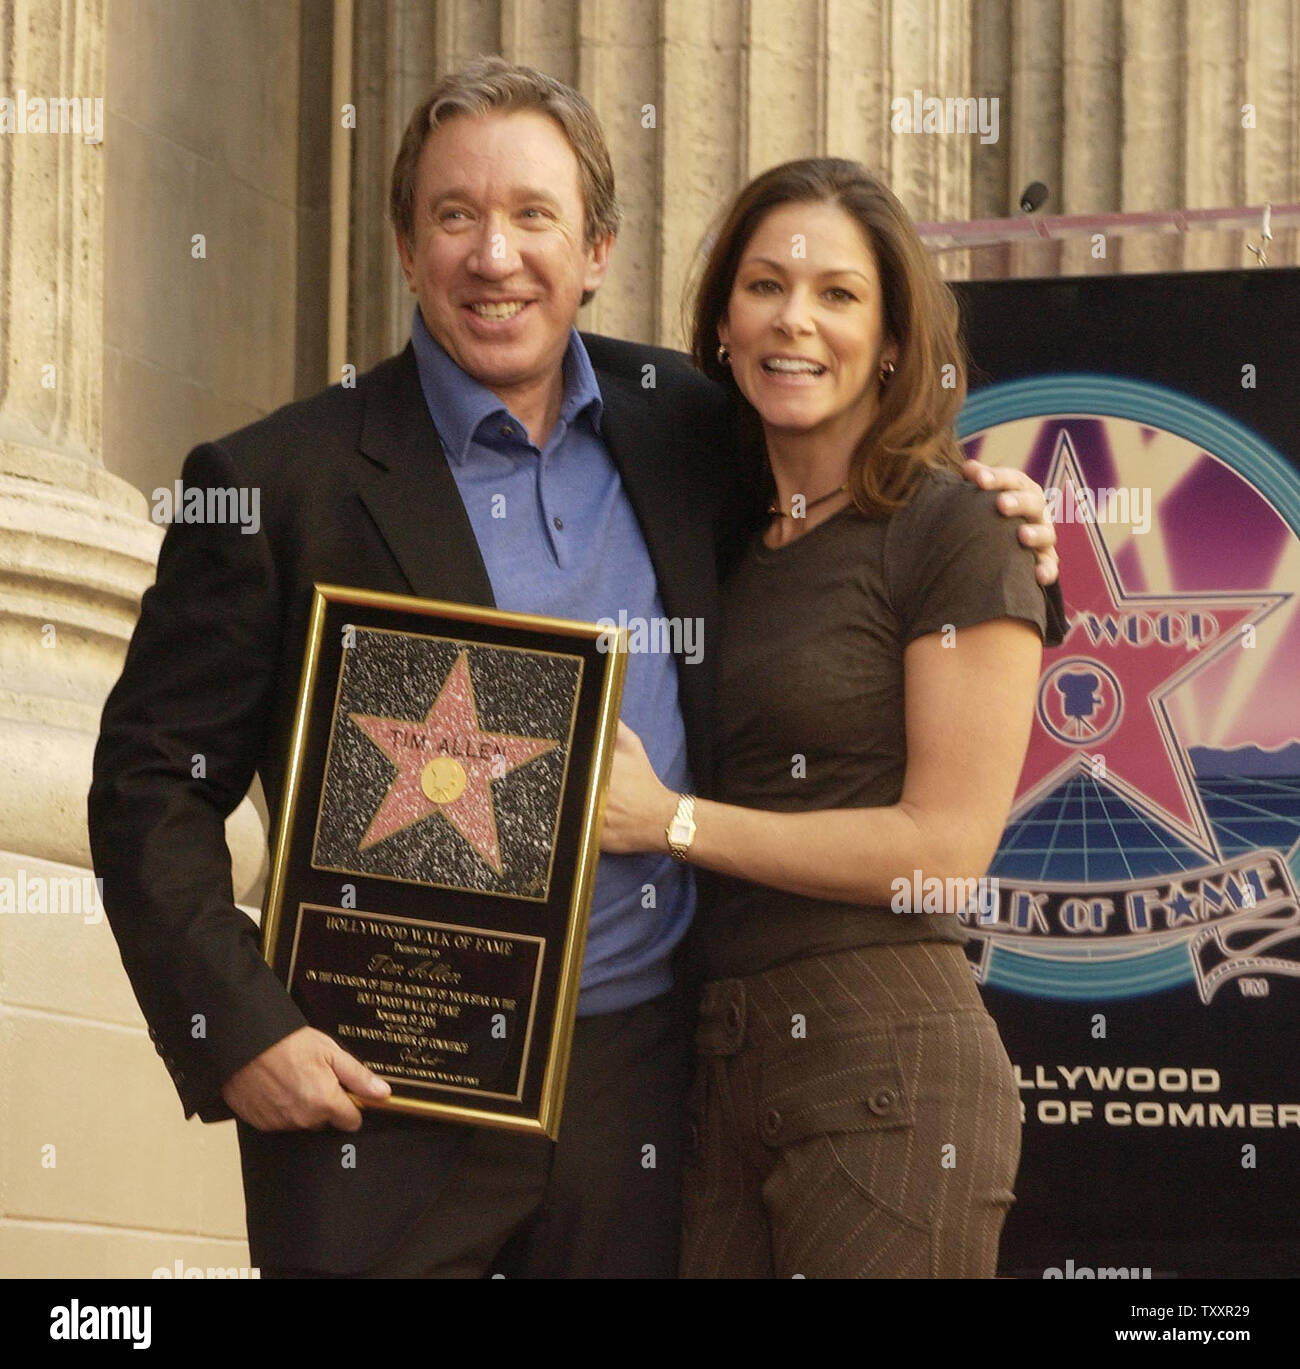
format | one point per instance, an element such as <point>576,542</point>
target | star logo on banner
<point>446,764</point>
<point>1104,690</point>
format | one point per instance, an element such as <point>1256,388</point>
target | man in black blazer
<point>509,219</point>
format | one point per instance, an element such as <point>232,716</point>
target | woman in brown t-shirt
<point>854,1111</point>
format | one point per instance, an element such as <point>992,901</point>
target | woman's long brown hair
<point>919,404</point>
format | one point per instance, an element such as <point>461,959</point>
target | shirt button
<point>882,1101</point>
<point>771,1124</point>
<point>507,430</point>
<point>559,523</point>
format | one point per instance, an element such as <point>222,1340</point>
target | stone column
<point>1215,136</point>
<point>98,1171</point>
<point>1270,150</point>
<point>1035,126</point>
<point>1152,148</point>
<point>1090,170</point>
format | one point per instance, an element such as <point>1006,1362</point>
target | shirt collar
<point>459,404</point>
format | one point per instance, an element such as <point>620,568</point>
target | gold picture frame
<point>437,843</point>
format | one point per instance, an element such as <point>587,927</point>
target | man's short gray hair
<point>492,83</point>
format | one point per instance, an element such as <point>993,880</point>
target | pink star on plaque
<point>446,764</point>
<point>1104,690</point>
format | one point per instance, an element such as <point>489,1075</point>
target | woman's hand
<point>638,808</point>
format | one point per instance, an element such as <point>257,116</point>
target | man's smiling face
<point>499,262</point>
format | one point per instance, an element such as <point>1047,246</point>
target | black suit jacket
<point>354,490</point>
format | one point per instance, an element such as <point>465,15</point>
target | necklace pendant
<point>775,509</point>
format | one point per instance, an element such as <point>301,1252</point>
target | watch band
<point>681,830</point>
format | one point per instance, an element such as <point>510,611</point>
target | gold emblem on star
<point>443,780</point>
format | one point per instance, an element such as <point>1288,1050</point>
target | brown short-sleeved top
<point>812,666</point>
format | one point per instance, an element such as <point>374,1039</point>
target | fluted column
<point>784,90</point>
<point>703,102</point>
<point>1154,101</point>
<point>1214,132</point>
<point>1090,170</point>
<point>542,34</point>
<point>72,538</point>
<point>618,69</point>
<point>1117,105</point>
<point>1035,125</point>
<point>1270,151</point>
<point>991,189</point>
<point>858,84</point>
<point>992,194</point>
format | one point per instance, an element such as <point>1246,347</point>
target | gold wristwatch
<point>681,830</point>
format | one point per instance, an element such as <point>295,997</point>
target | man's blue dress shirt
<point>558,536</point>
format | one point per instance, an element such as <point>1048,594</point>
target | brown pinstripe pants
<point>853,1115</point>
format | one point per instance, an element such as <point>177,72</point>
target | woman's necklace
<point>775,509</point>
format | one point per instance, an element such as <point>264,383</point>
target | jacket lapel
<point>676,528</point>
<point>678,534</point>
<point>412,495</point>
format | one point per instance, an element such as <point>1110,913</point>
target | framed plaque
<point>437,846</point>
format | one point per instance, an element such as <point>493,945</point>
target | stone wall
<point>1117,105</point>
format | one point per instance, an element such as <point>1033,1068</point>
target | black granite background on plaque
<point>398,675</point>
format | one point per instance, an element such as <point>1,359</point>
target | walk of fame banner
<point>1139,940</point>
<point>437,848</point>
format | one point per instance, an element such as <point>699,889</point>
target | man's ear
<point>405,256</point>
<point>597,263</point>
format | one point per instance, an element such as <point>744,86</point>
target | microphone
<point>1032,197</point>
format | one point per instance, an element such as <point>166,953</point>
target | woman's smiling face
<point>805,321</point>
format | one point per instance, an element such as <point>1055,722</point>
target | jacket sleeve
<point>177,750</point>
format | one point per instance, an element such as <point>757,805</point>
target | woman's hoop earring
<point>886,371</point>
<point>724,356</point>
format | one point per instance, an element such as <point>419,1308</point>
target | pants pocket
<point>840,1124</point>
